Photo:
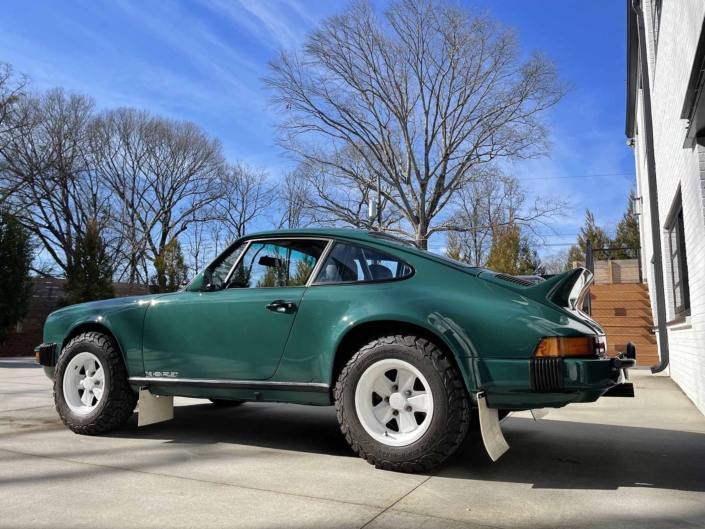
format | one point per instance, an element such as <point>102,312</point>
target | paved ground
<point>637,463</point>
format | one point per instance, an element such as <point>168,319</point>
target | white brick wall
<point>670,67</point>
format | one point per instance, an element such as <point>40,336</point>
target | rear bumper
<point>526,384</point>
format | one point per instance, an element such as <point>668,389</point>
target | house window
<point>677,259</point>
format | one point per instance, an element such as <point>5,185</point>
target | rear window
<point>348,263</point>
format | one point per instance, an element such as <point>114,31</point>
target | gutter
<point>632,70</point>
<point>653,192</point>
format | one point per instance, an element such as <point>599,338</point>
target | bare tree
<point>294,198</point>
<point>243,194</point>
<point>58,194</point>
<point>334,198</point>
<point>492,202</point>
<point>555,263</point>
<point>13,119</point>
<point>427,95</point>
<point>162,175</point>
<point>198,245</point>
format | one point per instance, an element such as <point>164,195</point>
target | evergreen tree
<point>170,270</point>
<point>454,248</point>
<point>15,282</point>
<point>627,235</point>
<point>597,236</point>
<point>528,261</point>
<point>90,274</point>
<point>276,275</point>
<point>511,252</point>
<point>302,271</point>
<point>504,251</point>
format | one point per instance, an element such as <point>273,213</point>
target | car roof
<point>364,236</point>
<point>342,233</point>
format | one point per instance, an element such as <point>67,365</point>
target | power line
<point>577,176</point>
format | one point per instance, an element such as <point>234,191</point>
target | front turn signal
<point>579,346</point>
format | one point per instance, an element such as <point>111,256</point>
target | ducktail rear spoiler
<point>566,290</point>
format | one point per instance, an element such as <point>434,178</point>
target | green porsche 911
<point>405,343</point>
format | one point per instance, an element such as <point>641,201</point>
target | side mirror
<point>207,280</point>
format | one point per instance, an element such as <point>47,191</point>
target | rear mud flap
<point>495,444</point>
<point>154,408</point>
<point>539,413</point>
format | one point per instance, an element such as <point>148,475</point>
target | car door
<point>237,328</point>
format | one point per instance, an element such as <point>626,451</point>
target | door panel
<point>238,329</point>
<point>225,334</point>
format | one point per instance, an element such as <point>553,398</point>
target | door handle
<point>280,305</point>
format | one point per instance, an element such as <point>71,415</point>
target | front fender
<point>123,318</point>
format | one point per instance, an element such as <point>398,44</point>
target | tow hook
<point>622,362</point>
<point>625,359</point>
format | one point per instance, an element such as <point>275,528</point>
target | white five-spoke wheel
<point>394,403</point>
<point>401,403</point>
<point>84,383</point>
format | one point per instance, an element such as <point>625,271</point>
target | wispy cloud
<point>279,23</point>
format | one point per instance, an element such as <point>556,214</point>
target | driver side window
<point>277,264</point>
<point>221,270</point>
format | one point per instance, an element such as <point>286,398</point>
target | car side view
<point>404,343</point>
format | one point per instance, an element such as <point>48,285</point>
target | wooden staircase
<point>624,312</point>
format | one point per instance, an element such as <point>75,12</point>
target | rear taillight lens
<point>586,346</point>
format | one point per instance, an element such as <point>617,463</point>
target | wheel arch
<point>360,334</point>
<point>93,326</point>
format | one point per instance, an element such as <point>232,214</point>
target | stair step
<point>637,339</point>
<point>622,304</point>
<point>641,349</point>
<point>608,321</point>
<point>628,287</point>
<point>619,296</point>
<point>620,312</point>
<point>630,332</point>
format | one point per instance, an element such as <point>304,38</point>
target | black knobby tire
<point>451,414</point>
<point>225,403</point>
<point>118,401</point>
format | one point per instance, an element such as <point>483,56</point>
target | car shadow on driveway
<point>552,454</point>
<point>280,426</point>
<point>547,454</point>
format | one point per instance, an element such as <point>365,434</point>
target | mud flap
<point>154,408</point>
<point>495,444</point>
<point>539,413</point>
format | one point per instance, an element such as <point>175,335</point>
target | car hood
<point>106,305</point>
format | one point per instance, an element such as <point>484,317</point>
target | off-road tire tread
<point>458,420</point>
<point>121,399</point>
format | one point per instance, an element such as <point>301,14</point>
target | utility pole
<point>379,201</point>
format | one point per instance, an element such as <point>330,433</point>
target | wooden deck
<point>624,311</point>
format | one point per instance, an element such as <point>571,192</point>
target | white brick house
<point>675,42</point>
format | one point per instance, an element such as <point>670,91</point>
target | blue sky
<point>202,60</point>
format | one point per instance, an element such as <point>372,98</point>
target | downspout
<point>653,194</point>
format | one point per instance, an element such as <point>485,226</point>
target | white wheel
<point>394,403</point>
<point>84,383</point>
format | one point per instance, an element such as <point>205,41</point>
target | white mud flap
<point>154,408</point>
<point>539,413</point>
<point>495,444</point>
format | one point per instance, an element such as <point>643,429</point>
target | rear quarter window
<point>349,263</point>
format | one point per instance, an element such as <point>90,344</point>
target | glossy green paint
<point>490,326</point>
<point>226,334</point>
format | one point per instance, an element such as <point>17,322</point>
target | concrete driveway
<point>618,463</point>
